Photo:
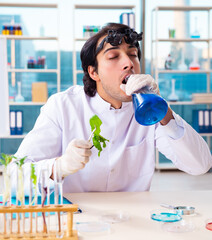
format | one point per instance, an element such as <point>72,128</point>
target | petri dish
<point>161,216</point>
<point>208,225</point>
<point>93,228</point>
<point>179,227</point>
<point>114,216</point>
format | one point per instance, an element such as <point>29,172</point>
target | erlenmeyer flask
<point>149,108</point>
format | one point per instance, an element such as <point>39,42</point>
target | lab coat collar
<point>101,105</point>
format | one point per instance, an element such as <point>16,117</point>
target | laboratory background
<point>40,43</point>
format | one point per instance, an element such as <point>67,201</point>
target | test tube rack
<point>69,233</point>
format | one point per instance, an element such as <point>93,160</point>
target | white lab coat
<point>128,161</point>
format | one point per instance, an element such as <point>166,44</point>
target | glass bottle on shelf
<point>182,66</point>
<point>196,33</point>
<point>194,65</point>
<point>19,97</point>
<point>173,96</point>
<point>168,62</point>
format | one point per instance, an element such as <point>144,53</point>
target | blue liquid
<point>166,217</point>
<point>149,108</point>
<point>195,36</point>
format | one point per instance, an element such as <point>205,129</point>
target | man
<point>110,61</point>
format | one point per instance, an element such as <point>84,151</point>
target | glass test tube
<point>33,201</point>
<point>45,199</point>
<point>7,186</point>
<point>30,204</point>
<point>7,199</point>
<point>20,200</point>
<point>58,196</point>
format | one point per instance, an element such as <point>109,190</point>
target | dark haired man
<point>110,61</point>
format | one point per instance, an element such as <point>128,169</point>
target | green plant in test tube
<point>20,188</point>
<point>5,160</point>
<point>33,177</point>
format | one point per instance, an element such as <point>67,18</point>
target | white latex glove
<point>75,157</point>
<point>140,83</point>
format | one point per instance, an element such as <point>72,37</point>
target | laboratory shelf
<point>79,71</point>
<point>90,6</point>
<point>184,71</point>
<point>181,103</point>
<point>187,103</point>
<point>22,37</point>
<point>165,166</point>
<point>206,134</point>
<point>182,8</point>
<point>35,70</point>
<point>156,58</point>
<point>13,52</point>
<point>181,40</point>
<point>12,136</point>
<point>81,39</point>
<point>26,103</point>
<point>31,5</point>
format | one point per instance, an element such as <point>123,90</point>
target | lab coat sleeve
<point>189,151</point>
<point>174,128</point>
<point>42,145</point>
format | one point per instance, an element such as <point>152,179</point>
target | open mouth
<point>125,79</point>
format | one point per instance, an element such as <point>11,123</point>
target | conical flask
<point>182,65</point>
<point>19,97</point>
<point>173,96</point>
<point>149,108</point>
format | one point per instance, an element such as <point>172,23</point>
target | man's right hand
<point>75,157</point>
<point>137,82</point>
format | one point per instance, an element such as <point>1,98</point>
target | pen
<point>79,210</point>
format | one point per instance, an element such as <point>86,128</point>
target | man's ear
<point>93,74</point>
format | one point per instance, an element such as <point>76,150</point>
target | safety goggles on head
<point>115,38</point>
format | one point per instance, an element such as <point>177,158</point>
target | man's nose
<point>127,63</point>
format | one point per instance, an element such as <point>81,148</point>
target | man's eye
<point>133,55</point>
<point>113,57</point>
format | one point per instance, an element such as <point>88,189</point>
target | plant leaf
<point>6,159</point>
<point>33,174</point>
<point>20,161</point>
<point>95,122</point>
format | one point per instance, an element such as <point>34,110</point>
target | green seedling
<point>20,162</point>
<point>33,177</point>
<point>97,139</point>
<point>5,160</point>
<point>20,192</point>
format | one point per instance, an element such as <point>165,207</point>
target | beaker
<point>149,108</point>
